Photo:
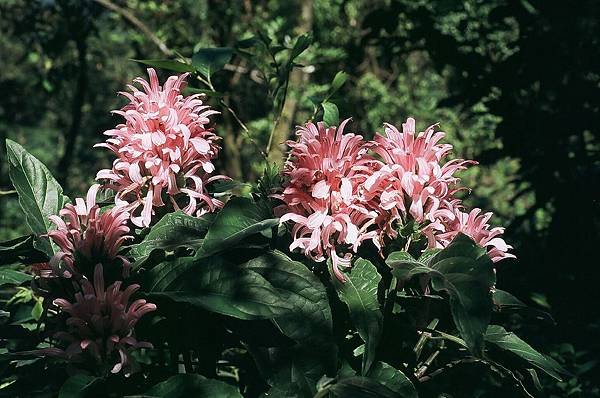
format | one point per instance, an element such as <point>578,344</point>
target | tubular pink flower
<point>325,172</point>
<point>83,232</point>
<point>164,150</point>
<point>475,225</point>
<point>412,184</point>
<point>100,324</point>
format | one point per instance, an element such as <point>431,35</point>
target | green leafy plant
<point>213,296</point>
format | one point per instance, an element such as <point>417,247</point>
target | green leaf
<point>78,386</point>
<point>331,115</point>
<point>358,387</point>
<point>208,93</point>
<point>404,266</point>
<point>309,322</point>
<point>192,385</point>
<point>509,341</point>
<point>296,374</point>
<point>505,301</point>
<point>464,270</point>
<point>209,60</point>
<point>174,230</point>
<point>359,292</point>
<point>13,277</point>
<point>21,249</point>
<point>216,286</point>
<point>40,196</point>
<point>168,64</point>
<point>38,309</point>
<point>301,44</point>
<point>239,219</point>
<point>393,379</point>
<point>338,81</point>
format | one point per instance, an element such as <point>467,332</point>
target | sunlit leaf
<point>210,60</point>
<point>331,115</point>
<point>172,231</point>
<point>359,292</point>
<point>239,219</point>
<point>40,195</point>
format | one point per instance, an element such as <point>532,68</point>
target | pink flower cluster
<point>100,321</point>
<point>342,191</point>
<point>164,151</point>
<point>100,324</point>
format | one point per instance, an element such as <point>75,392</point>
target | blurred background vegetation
<point>515,84</point>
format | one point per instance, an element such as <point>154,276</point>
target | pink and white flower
<point>412,184</point>
<point>164,151</point>
<point>325,172</point>
<point>475,225</point>
<point>83,231</point>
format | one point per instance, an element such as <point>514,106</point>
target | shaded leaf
<point>209,60</point>
<point>192,385</point>
<point>301,44</point>
<point>357,387</point>
<point>296,374</point>
<point>509,341</point>
<point>21,250</point>
<point>78,386</point>
<point>168,64</point>
<point>393,379</point>
<point>466,273</point>
<point>505,301</point>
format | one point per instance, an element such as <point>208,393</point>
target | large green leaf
<point>174,230</point>
<point>393,379</point>
<point>310,320</point>
<point>78,386</point>
<point>40,195</point>
<point>209,60</point>
<point>239,219</point>
<point>509,341</point>
<point>12,277</point>
<point>217,286</point>
<point>464,270</point>
<point>192,385</point>
<point>359,292</point>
